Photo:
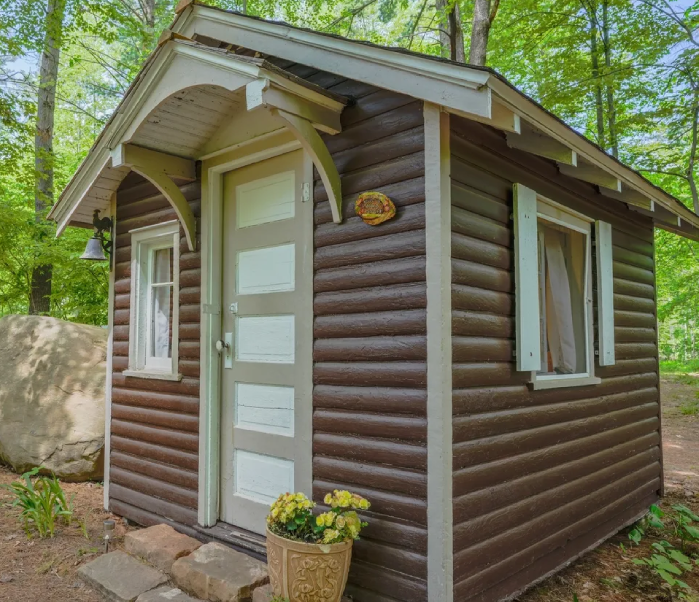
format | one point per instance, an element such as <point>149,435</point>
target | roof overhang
<point>134,139</point>
<point>475,93</point>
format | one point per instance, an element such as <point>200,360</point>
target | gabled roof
<point>476,93</point>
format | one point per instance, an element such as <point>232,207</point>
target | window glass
<point>162,271</point>
<point>161,322</point>
<point>562,277</point>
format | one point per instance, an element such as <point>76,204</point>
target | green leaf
<point>668,578</point>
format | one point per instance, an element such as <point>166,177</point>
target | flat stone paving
<point>160,545</point>
<point>120,577</point>
<point>217,573</point>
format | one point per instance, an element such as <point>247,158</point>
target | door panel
<point>267,300</point>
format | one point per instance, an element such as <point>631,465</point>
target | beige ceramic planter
<point>304,572</point>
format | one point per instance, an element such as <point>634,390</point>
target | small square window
<point>154,301</point>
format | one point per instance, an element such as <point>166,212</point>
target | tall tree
<point>451,32</point>
<point>484,13</point>
<point>40,296</point>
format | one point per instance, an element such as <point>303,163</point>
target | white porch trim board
<point>110,356</point>
<point>440,547</point>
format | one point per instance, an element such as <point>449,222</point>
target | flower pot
<point>306,572</point>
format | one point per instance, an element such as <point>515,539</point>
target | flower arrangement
<point>291,516</point>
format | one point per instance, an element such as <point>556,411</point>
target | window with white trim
<point>154,318</point>
<point>554,292</point>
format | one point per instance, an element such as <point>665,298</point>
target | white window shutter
<point>605,293</point>
<point>526,280</point>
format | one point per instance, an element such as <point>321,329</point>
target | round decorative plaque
<point>374,208</point>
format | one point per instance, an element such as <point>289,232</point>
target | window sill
<point>561,382</point>
<point>152,375</point>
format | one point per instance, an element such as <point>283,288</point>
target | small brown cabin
<point>483,367</point>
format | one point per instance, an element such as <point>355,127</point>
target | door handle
<point>224,347</point>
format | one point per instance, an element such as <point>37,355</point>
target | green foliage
<point>678,367</point>
<point>665,560</point>
<point>690,408</point>
<point>542,46</point>
<point>42,503</point>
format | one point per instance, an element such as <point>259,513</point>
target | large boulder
<point>52,380</point>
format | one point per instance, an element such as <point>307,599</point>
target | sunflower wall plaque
<point>374,208</point>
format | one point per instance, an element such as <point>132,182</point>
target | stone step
<point>120,577</point>
<point>217,573</point>
<point>167,593</point>
<point>160,545</point>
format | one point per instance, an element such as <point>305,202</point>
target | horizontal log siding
<point>369,371</point>
<point>155,423</point>
<point>540,476</point>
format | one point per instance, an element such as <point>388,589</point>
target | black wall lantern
<point>97,246</point>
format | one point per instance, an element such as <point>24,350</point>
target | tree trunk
<point>693,157</point>
<point>40,296</point>
<point>594,57</point>
<point>483,16</point>
<point>611,105</point>
<point>451,33</point>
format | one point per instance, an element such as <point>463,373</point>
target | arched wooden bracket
<point>158,168</point>
<point>313,144</point>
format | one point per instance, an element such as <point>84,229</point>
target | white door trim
<point>255,150</point>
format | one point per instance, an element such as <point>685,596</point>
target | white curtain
<point>559,308</point>
<point>161,309</point>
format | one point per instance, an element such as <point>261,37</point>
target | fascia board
<point>541,119</point>
<point>72,197</point>
<point>444,84</point>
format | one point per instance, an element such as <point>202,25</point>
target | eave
<point>475,93</point>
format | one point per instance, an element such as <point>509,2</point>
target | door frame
<point>214,167</point>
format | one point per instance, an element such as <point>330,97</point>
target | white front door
<point>267,322</point>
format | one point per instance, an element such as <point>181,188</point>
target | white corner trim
<point>440,552</point>
<point>110,362</point>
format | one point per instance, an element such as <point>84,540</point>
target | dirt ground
<point>44,570</point>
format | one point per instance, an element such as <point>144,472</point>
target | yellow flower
<point>328,498</point>
<point>340,522</point>
<point>330,535</point>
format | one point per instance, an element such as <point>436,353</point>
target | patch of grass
<point>690,408</point>
<point>676,367</point>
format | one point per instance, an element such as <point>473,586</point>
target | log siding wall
<point>369,420</point>
<point>540,476</point>
<point>155,423</point>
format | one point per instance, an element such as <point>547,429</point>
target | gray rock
<point>52,378</point>
<point>120,577</point>
<point>166,593</point>
<point>217,573</point>
<point>160,545</point>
